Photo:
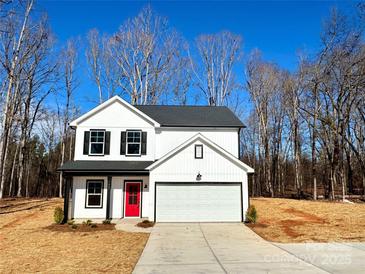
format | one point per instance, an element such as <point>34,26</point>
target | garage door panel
<point>198,202</point>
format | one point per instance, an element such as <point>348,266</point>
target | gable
<point>183,167</point>
<point>214,157</point>
<point>114,113</point>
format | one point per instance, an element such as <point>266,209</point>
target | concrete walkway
<point>130,225</point>
<point>225,248</point>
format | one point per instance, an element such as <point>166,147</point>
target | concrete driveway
<point>234,248</point>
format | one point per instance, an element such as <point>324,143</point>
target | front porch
<point>99,191</point>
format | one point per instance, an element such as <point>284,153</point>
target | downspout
<point>239,144</point>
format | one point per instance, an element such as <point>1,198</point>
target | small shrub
<point>74,226</point>
<point>251,215</point>
<point>58,215</point>
<point>93,225</point>
<point>107,222</point>
<point>70,222</point>
<point>87,222</point>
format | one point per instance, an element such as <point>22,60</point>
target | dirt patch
<point>289,227</point>
<point>80,227</point>
<point>29,245</point>
<point>306,216</point>
<point>23,205</point>
<point>19,221</point>
<point>287,220</point>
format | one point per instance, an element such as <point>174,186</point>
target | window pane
<point>94,187</point>
<point>97,188</point>
<point>134,136</point>
<point>132,200</point>
<point>96,148</point>
<point>94,200</point>
<point>91,187</point>
<point>133,148</point>
<point>198,151</point>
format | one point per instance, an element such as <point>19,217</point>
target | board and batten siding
<point>79,211</point>
<point>183,167</point>
<point>169,138</point>
<point>118,195</point>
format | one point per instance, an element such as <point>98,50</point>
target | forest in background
<point>305,134</point>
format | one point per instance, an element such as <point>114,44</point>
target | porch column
<point>108,205</point>
<point>66,199</point>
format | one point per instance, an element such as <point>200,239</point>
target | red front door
<point>132,199</point>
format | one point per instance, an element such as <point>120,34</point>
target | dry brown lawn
<point>28,246</point>
<point>288,221</point>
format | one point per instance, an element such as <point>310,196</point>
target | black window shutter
<point>122,142</point>
<point>107,143</point>
<point>144,143</point>
<point>86,142</point>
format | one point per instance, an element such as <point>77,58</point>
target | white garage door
<point>198,202</point>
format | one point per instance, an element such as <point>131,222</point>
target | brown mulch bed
<point>80,227</point>
<point>288,220</point>
<point>30,244</point>
<point>145,224</point>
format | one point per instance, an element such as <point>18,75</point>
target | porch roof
<point>105,166</point>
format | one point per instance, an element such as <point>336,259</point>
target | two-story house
<point>164,163</point>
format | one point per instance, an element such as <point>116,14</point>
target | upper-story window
<point>198,151</point>
<point>134,139</point>
<point>97,140</point>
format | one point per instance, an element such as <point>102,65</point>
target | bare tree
<point>148,54</point>
<point>69,60</point>
<point>214,72</point>
<point>38,74</point>
<point>13,40</point>
<point>263,85</point>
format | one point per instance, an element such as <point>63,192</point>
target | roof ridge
<point>181,106</point>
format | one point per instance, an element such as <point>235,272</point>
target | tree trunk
<point>3,170</point>
<point>13,168</point>
<point>21,166</point>
<point>62,161</point>
<point>29,166</point>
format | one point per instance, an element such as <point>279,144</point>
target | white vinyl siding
<point>169,138</point>
<point>198,202</point>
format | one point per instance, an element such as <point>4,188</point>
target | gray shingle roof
<point>194,116</point>
<point>116,166</point>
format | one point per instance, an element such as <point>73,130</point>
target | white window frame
<point>100,194</point>
<point>97,130</point>
<point>127,143</point>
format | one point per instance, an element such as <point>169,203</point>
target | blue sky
<point>278,29</point>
